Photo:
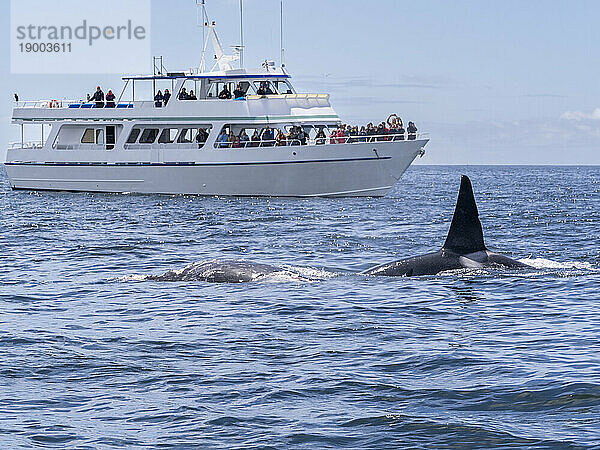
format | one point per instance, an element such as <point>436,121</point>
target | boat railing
<point>171,146</point>
<point>333,140</point>
<point>91,104</point>
<point>29,145</point>
<point>71,104</point>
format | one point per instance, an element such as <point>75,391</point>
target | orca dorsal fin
<point>465,235</point>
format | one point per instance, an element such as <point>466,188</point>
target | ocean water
<point>94,356</point>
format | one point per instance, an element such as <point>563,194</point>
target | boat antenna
<point>241,34</point>
<point>201,21</point>
<point>281,32</point>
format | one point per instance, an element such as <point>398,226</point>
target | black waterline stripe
<point>191,163</point>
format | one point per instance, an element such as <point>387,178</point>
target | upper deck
<point>136,100</point>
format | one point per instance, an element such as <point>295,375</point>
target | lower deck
<point>341,169</point>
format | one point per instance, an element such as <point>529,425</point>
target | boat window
<point>283,87</point>
<point>244,87</point>
<point>168,136</point>
<point>267,86</point>
<point>191,90</point>
<point>133,136</point>
<point>201,136</point>
<point>185,137</point>
<point>99,136</point>
<point>149,135</point>
<point>110,137</point>
<point>88,136</point>
<point>216,87</point>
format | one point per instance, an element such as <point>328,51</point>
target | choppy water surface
<point>93,356</point>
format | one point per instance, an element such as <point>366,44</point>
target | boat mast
<point>241,50</point>
<point>281,33</point>
<point>201,21</point>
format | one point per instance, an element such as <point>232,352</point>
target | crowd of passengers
<point>274,137</point>
<point>393,130</point>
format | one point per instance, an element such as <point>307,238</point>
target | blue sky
<point>494,82</point>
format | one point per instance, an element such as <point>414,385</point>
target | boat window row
<point>224,90</point>
<point>72,137</point>
<point>189,136</point>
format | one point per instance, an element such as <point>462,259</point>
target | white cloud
<point>579,115</point>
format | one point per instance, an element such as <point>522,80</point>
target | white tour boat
<point>144,146</point>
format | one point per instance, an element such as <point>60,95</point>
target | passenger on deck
<point>281,140</point>
<point>264,89</point>
<point>158,99</point>
<point>192,96</point>
<point>110,99</point>
<point>225,94</point>
<point>333,137</point>
<point>293,137</point>
<point>201,137</point>
<point>362,134</point>
<point>302,136</point>
<point>268,139</point>
<point>399,132</point>
<point>98,97</point>
<point>393,130</point>
<point>412,131</point>
<point>353,133</point>
<point>341,134</point>
<point>255,140</point>
<point>244,139</point>
<point>381,132</point>
<point>166,97</point>
<point>371,132</point>
<point>231,139</point>
<point>261,89</point>
<point>237,143</point>
<point>320,138</point>
<point>223,139</point>
<point>183,95</point>
<point>238,92</point>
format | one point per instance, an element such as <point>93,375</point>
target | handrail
<point>30,145</point>
<point>69,104</point>
<point>78,103</point>
<point>171,146</point>
<point>333,140</point>
<point>25,145</point>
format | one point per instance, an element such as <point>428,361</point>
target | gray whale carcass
<point>464,246</point>
<point>219,272</point>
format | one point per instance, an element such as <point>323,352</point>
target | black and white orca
<point>464,246</point>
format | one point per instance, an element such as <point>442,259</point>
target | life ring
<point>53,103</point>
<point>390,117</point>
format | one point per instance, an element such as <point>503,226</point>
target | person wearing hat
<point>166,96</point>
<point>110,99</point>
<point>412,131</point>
<point>98,97</point>
<point>238,92</point>
<point>158,99</point>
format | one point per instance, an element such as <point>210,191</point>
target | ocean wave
<point>543,263</point>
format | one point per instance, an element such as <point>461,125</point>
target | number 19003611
<point>45,47</point>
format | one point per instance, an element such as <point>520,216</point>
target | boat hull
<point>348,170</point>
